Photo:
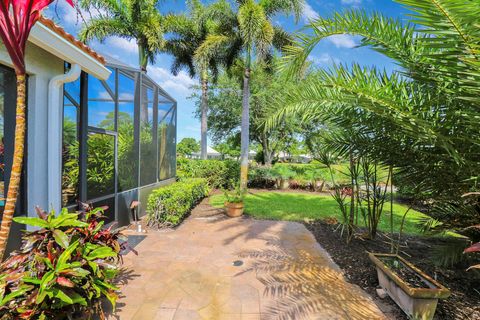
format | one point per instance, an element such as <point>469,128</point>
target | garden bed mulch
<point>464,302</point>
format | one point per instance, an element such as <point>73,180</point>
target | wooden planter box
<point>417,303</point>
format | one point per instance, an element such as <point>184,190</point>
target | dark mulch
<point>464,303</point>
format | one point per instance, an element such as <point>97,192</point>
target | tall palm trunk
<point>204,110</point>
<point>14,182</point>
<point>143,62</point>
<point>245,128</point>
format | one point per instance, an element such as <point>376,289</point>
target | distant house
<point>98,131</point>
<point>211,154</point>
<point>302,158</point>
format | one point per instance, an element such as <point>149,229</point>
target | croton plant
<point>474,248</point>
<point>63,270</point>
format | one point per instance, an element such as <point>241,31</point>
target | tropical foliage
<point>187,33</point>
<point>268,89</point>
<point>137,20</point>
<point>419,119</point>
<point>217,173</point>
<point>187,146</point>
<point>62,269</point>
<point>251,35</point>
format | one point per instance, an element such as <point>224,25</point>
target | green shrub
<point>62,270</point>
<point>168,206</point>
<point>301,176</point>
<point>261,177</point>
<point>217,172</point>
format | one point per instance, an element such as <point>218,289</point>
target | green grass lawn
<point>298,206</point>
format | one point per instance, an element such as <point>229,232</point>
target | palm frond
<point>101,28</point>
<point>385,35</point>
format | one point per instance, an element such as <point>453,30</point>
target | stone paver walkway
<point>190,274</point>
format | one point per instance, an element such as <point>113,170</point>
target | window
<point>7,116</point>
<point>101,106</point>
<point>148,147</point>
<point>120,137</point>
<point>70,145</point>
<point>166,141</point>
<point>70,154</point>
<point>127,151</point>
<point>100,165</point>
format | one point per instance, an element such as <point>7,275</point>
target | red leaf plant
<point>17,17</point>
<point>473,248</point>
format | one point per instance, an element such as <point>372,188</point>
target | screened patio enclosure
<point>119,140</point>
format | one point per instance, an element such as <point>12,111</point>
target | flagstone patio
<point>213,267</point>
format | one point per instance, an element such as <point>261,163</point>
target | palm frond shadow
<point>124,277</point>
<point>300,283</point>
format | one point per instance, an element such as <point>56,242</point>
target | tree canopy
<point>188,146</point>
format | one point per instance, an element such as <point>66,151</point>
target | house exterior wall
<point>41,67</point>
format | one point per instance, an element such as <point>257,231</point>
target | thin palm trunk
<point>143,62</point>
<point>204,110</point>
<point>245,128</point>
<point>353,177</point>
<point>267,154</point>
<point>14,183</point>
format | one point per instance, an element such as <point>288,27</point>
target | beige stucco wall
<point>41,67</point>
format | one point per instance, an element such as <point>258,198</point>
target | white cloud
<point>352,2</point>
<point>324,59</point>
<point>126,96</point>
<point>342,41</point>
<point>179,85</point>
<point>129,46</point>
<point>71,17</point>
<point>308,13</point>
<point>104,95</point>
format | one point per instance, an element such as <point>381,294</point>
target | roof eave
<point>50,41</point>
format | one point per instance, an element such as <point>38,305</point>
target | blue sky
<point>336,49</point>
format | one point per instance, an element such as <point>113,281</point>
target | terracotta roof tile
<point>67,36</point>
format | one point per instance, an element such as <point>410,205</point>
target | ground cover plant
<point>62,270</point>
<point>304,206</point>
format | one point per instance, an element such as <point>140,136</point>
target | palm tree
<point>422,118</point>
<point>137,20</point>
<point>188,32</point>
<point>251,35</point>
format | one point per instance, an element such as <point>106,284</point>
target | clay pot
<point>234,209</point>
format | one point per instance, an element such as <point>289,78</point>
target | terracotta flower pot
<point>234,209</point>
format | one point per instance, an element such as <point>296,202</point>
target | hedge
<point>168,206</point>
<point>219,173</point>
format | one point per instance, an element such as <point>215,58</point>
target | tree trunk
<point>204,110</point>
<point>245,130</point>
<point>143,62</point>
<point>142,56</point>
<point>267,154</point>
<point>352,198</point>
<point>14,183</point>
